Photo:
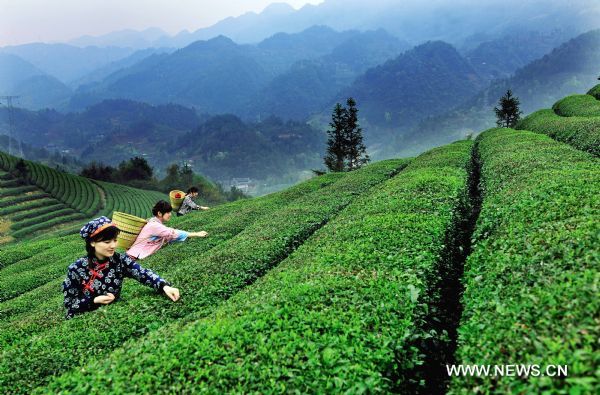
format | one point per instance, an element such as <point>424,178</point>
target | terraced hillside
<point>574,120</point>
<point>480,252</point>
<point>41,200</point>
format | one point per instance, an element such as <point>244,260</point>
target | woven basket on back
<point>130,227</point>
<point>176,198</point>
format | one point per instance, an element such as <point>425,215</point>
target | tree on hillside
<point>356,151</point>
<point>135,169</point>
<point>336,142</point>
<point>345,148</point>
<point>21,171</point>
<point>98,171</point>
<point>508,112</point>
<point>187,175</point>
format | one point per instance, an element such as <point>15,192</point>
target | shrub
<point>531,280</point>
<point>577,105</point>
<point>595,91</point>
<point>582,133</point>
<point>211,278</point>
<point>340,315</point>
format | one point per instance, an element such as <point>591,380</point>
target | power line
<point>11,122</point>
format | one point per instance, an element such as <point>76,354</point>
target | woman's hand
<point>172,293</point>
<point>199,234</point>
<point>104,299</point>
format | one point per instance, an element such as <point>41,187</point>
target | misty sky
<point>23,21</point>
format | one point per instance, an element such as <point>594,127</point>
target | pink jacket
<point>152,237</point>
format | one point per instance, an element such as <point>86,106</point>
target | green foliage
<point>17,252</point>
<point>50,221</point>
<point>49,206</point>
<point>580,132</point>
<point>577,106</point>
<point>76,192</point>
<point>30,205</point>
<point>65,212</point>
<point>531,280</point>
<point>10,201</point>
<point>130,200</point>
<point>340,315</point>
<point>32,271</point>
<point>595,91</point>
<point>210,278</point>
<point>136,168</point>
<point>42,306</point>
<point>508,112</point>
<point>17,191</point>
<point>345,148</point>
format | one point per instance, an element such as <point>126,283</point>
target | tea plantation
<point>38,200</point>
<point>481,252</point>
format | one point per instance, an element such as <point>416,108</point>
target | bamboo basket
<point>130,227</point>
<point>176,201</point>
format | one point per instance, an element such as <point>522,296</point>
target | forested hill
<point>568,69</point>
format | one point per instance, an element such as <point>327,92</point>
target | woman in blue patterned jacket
<point>96,279</point>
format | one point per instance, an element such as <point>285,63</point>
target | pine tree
<point>356,150</point>
<point>336,144</point>
<point>508,112</point>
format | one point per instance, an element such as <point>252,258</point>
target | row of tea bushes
<point>129,200</point>
<point>531,282</point>
<point>340,315</point>
<point>223,222</point>
<point>577,106</point>
<point>595,91</point>
<point>206,279</point>
<point>580,132</point>
<point>144,312</point>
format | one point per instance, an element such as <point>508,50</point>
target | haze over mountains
<point>421,74</point>
<point>460,22</point>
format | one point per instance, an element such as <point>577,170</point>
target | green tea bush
<point>531,282</point>
<point>65,187</point>
<point>207,278</point>
<point>11,201</point>
<point>582,133</point>
<point>34,227</point>
<point>129,200</point>
<point>38,269</point>
<point>595,91</point>
<point>577,106</point>
<point>340,315</point>
<point>47,209</point>
<point>4,192</point>
<point>9,183</point>
<point>38,309</point>
<point>16,252</point>
<point>4,176</point>
<point>58,216</point>
<point>27,206</point>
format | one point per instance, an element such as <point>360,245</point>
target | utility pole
<point>11,122</point>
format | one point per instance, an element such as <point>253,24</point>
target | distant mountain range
<point>458,22</point>
<point>417,83</point>
<point>571,68</point>
<point>220,76</point>
<point>220,147</point>
<point>66,62</point>
<point>35,88</point>
<point>429,92</point>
